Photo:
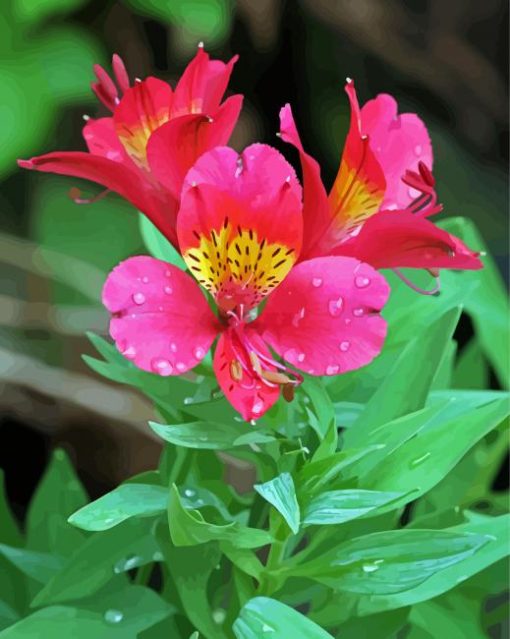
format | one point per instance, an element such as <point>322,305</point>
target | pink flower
<point>378,206</point>
<point>155,134</point>
<point>240,231</point>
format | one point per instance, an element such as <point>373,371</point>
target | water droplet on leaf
<point>113,616</point>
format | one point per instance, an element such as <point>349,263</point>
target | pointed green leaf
<point>339,506</point>
<point>158,245</point>
<point>40,566</point>
<point>280,492</point>
<point>9,531</point>
<point>209,435</point>
<point>124,502</point>
<point>265,617</point>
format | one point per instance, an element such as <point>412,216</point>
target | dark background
<point>446,61</point>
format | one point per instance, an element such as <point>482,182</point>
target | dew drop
<point>113,616</point>
<point>418,150</point>
<point>173,347</point>
<point>139,298</point>
<point>160,309</point>
<point>335,306</point>
<point>145,280</point>
<point>358,312</point>
<point>368,568</point>
<point>162,366</point>
<point>130,352</point>
<point>257,407</point>
<point>157,556</point>
<point>347,321</point>
<point>219,615</point>
<point>168,290</point>
<point>413,193</point>
<point>203,438</point>
<point>267,628</point>
<point>362,282</point>
<point>419,460</point>
<point>332,369</point>
<point>298,317</point>
<point>188,492</point>
<point>316,282</point>
<point>187,401</point>
<point>168,273</point>
<point>181,366</point>
<point>301,357</point>
<point>199,353</point>
<point>344,346</point>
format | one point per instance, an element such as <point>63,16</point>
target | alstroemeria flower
<point>240,231</point>
<point>155,134</point>
<point>378,206</point>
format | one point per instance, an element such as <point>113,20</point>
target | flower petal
<point>143,108</point>
<point>359,187</point>
<point>160,318</point>
<point>202,85</point>
<point>240,223</point>
<point>316,212</point>
<point>131,184</point>
<point>393,239</point>
<point>101,139</point>
<point>250,396</point>
<point>174,147</point>
<point>398,142</point>
<point>324,318</point>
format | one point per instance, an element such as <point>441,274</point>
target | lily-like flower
<point>153,137</point>
<point>383,193</point>
<point>240,231</point>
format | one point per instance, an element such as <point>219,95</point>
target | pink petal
<point>202,85</point>
<point>101,139</point>
<point>393,239</point>
<point>174,147</point>
<point>160,319</point>
<point>316,212</point>
<point>399,142</point>
<point>324,318</point>
<point>131,184</point>
<point>248,395</point>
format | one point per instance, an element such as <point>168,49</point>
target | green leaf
<point>322,413</point>
<point>339,506</point>
<point>209,435</point>
<point>190,569</point>
<point>188,528</point>
<point>471,369</point>
<point>58,495</point>
<point>158,245</point>
<point>37,565</point>
<point>263,616</point>
<point>390,562</point>
<point>422,461</point>
<point>488,302</point>
<point>100,558</point>
<point>407,384</point>
<point>126,501</point>
<point>280,492</point>
<point>496,529</point>
<point>119,615</point>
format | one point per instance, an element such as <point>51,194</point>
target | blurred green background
<point>445,60</point>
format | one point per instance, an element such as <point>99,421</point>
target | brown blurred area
<point>445,60</point>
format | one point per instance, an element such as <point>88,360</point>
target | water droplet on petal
<point>335,306</point>
<point>347,320</point>
<point>129,352</point>
<point>145,280</point>
<point>362,282</point>
<point>298,317</point>
<point>258,406</point>
<point>413,193</point>
<point>181,366</point>
<point>139,298</point>
<point>173,347</point>
<point>162,366</point>
<point>168,273</point>
<point>358,312</point>
<point>301,357</point>
<point>168,290</point>
<point>317,281</point>
<point>344,346</point>
<point>368,568</point>
<point>113,616</point>
<point>418,150</point>
<point>199,353</point>
<point>332,369</point>
<point>160,309</point>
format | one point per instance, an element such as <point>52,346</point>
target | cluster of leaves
<point>372,511</point>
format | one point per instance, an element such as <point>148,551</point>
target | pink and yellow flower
<point>378,207</point>
<point>240,231</point>
<point>154,135</point>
